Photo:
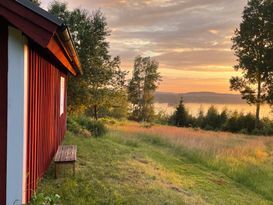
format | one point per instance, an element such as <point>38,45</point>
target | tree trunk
<point>258,103</point>
<point>257,122</point>
<point>96,112</point>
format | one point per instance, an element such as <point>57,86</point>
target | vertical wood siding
<point>46,128</point>
<point>3,109</point>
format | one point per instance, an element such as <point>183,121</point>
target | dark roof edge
<point>63,31</point>
<point>30,5</point>
<point>65,36</point>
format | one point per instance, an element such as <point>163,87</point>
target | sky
<point>191,39</point>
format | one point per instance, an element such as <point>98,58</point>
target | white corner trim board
<point>17,117</point>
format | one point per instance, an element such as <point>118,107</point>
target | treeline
<point>218,121</point>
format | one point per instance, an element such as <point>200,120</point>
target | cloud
<point>184,35</point>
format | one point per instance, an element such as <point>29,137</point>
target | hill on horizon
<point>198,97</point>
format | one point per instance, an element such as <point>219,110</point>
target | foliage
<point>212,119</point>
<point>221,121</point>
<point>267,127</point>
<point>37,2</point>
<point>73,125</point>
<point>141,88</point>
<point>161,118</point>
<point>116,108</point>
<point>97,128</point>
<point>103,83</point>
<point>86,126</point>
<point>42,199</point>
<point>253,46</point>
<point>240,123</point>
<point>180,117</point>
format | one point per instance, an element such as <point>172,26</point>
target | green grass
<point>122,168</point>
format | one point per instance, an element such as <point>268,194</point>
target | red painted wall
<point>46,128</point>
<point>3,108</point>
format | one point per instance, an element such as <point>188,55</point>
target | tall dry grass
<point>223,144</point>
<point>246,159</point>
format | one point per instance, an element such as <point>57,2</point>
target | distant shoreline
<point>198,97</point>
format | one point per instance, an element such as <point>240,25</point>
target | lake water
<point>194,108</point>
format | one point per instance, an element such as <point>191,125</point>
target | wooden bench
<point>66,154</point>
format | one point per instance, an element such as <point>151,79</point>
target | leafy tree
<point>199,121</point>
<point>37,2</point>
<point>180,116</point>
<point>103,78</point>
<point>253,45</point>
<point>223,118</point>
<point>212,119</point>
<point>142,86</point>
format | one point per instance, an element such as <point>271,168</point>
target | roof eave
<point>62,32</point>
<point>65,37</point>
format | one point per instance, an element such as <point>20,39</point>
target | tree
<point>142,86</point>
<point>180,116</point>
<point>212,119</point>
<point>37,2</point>
<point>253,46</point>
<point>103,77</point>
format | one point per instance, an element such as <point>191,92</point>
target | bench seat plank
<point>66,153</point>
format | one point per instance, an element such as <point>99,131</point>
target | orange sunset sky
<point>190,38</point>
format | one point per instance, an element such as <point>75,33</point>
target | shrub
<point>213,119</point>
<point>247,122</point>
<point>73,125</point>
<point>223,118</point>
<point>267,126</point>
<point>97,128</point>
<point>232,123</point>
<point>240,123</point>
<point>161,118</point>
<point>147,124</point>
<point>108,121</point>
<point>41,198</point>
<point>200,120</point>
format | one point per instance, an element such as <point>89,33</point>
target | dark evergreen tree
<point>180,116</point>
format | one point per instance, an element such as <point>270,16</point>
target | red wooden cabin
<point>36,56</point>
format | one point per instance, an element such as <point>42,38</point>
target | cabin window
<point>62,87</point>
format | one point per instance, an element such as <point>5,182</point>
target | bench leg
<point>74,168</point>
<point>56,170</point>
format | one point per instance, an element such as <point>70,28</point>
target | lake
<point>194,108</point>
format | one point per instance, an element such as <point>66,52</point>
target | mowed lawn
<point>166,165</point>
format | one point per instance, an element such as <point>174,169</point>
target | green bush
<point>108,121</point>
<point>212,119</point>
<point>73,125</point>
<point>162,118</point>
<point>42,199</point>
<point>267,126</point>
<point>97,128</point>
<point>240,123</point>
<point>147,124</point>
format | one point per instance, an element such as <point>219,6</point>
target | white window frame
<point>62,94</point>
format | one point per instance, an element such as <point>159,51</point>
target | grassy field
<point>166,165</point>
